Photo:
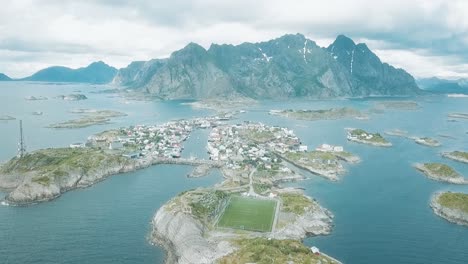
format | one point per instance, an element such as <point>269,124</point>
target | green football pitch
<point>248,214</point>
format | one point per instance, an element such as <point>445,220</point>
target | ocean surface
<point>380,206</point>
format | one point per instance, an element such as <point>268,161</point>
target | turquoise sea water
<point>380,206</point>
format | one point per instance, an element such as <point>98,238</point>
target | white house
<point>77,145</point>
<point>303,148</point>
<point>315,250</point>
<point>338,149</point>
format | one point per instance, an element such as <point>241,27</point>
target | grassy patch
<point>332,113</point>
<point>295,203</point>
<point>454,200</point>
<point>261,187</point>
<point>261,136</point>
<point>460,154</point>
<point>264,251</point>
<point>44,180</point>
<point>442,170</point>
<point>248,214</point>
<point>311,155</point>
<point>363,135</point>
<point>56,163</point>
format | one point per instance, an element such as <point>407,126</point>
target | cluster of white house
<point>329,148</point>
<point>232,143</point>
<point>366,136</point>
<point>159,141</point>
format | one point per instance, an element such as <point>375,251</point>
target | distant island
<point>460,156</point>
<point>90,117</point>
<point>3,77</point>
<point>441,86</point>
<point>399,105</point>
<point>441,172</point>
<point>458,115</point>
<point>451,206</point>
<point>311,115</point>
<point>95,73</point>
<point>6,118</point>
<point>364,137</point>
<point>72,97</point>
<point>426,141</point>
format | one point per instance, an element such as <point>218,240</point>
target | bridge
<point>184,161</point>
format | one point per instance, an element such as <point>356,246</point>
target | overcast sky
<point>425,37</point>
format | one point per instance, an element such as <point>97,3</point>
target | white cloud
<point>35,34</point>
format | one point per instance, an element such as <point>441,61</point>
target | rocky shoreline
<point>27,192</point>
<point>452,215</point>
<point>431,175</point>
<point>186,240</point>
<point>372,143</point>
<point>24,191</point>
<point>454,157</point>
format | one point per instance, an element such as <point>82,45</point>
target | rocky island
<point>35,98</point>
<point>441,172</point>
<point>72,97</point>
<point>324,114</point>
<point>451,206</point>
<point>361,136</point>
<point>6,118</point>
<point>425,141</point>
<point>460,156</point>
<point>398,105</point>
<point>91,117</point>
<point>458,115</point>
<point>223,105</point>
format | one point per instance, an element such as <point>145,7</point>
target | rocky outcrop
<point>452,215</point>
<point>187,240</point>
<point>433,175</point>
<point>369,76</point>
<point>318,221</point>
<point>27,190</point>
<point>183,238</point>
<point>286,67</point>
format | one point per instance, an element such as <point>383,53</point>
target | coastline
<point>327,174</point>
<point>186,240</point>
<point>454,157</point>
<point>29,193</point>
<point>375,144</point>
<point>431,175</point>
<point>452,215</point>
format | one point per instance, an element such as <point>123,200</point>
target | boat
<point>37,113</point>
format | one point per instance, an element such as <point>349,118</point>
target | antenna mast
<point>21,145</point>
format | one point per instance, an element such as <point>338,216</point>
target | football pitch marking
<point>248,213</point>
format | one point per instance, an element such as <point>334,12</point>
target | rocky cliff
<point>286,67</point>
<point>46,174</point>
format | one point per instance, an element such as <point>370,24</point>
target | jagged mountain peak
<point>284,67</point>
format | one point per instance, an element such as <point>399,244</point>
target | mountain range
<point>96,73</point>
<point>286,67</point>
<point>436,85</point>
<point>3,77</point>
